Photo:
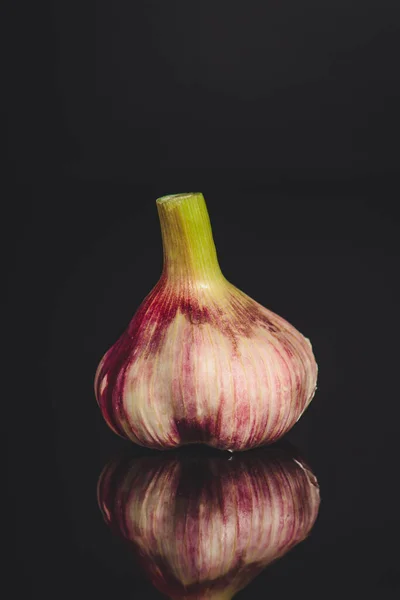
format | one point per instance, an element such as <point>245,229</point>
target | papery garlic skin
<point>204,527</point>
<point>201,361</point>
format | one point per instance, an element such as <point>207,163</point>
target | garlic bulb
<point>201,361</point>
<point>205,526</point>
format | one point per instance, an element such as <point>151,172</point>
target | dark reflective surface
<point>203,524</point>
<point>332,270</point>
<point>74,299</point>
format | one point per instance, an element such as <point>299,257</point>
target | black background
<point>286,116</point>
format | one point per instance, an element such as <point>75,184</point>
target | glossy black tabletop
<point>78,529</point>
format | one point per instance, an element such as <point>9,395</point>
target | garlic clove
<point>201,361</point>
<point>203,526</point>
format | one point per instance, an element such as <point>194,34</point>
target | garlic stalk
<point>201,361</point>
<point>202,527</point>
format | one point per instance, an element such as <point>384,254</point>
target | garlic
<point>201,361</point>
<point>204,526</point>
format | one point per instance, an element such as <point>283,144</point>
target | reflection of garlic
<point>203,526</point>
<point>200,360</point>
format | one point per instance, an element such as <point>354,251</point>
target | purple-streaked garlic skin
<point>201,361</point>
<point>204,527</point>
